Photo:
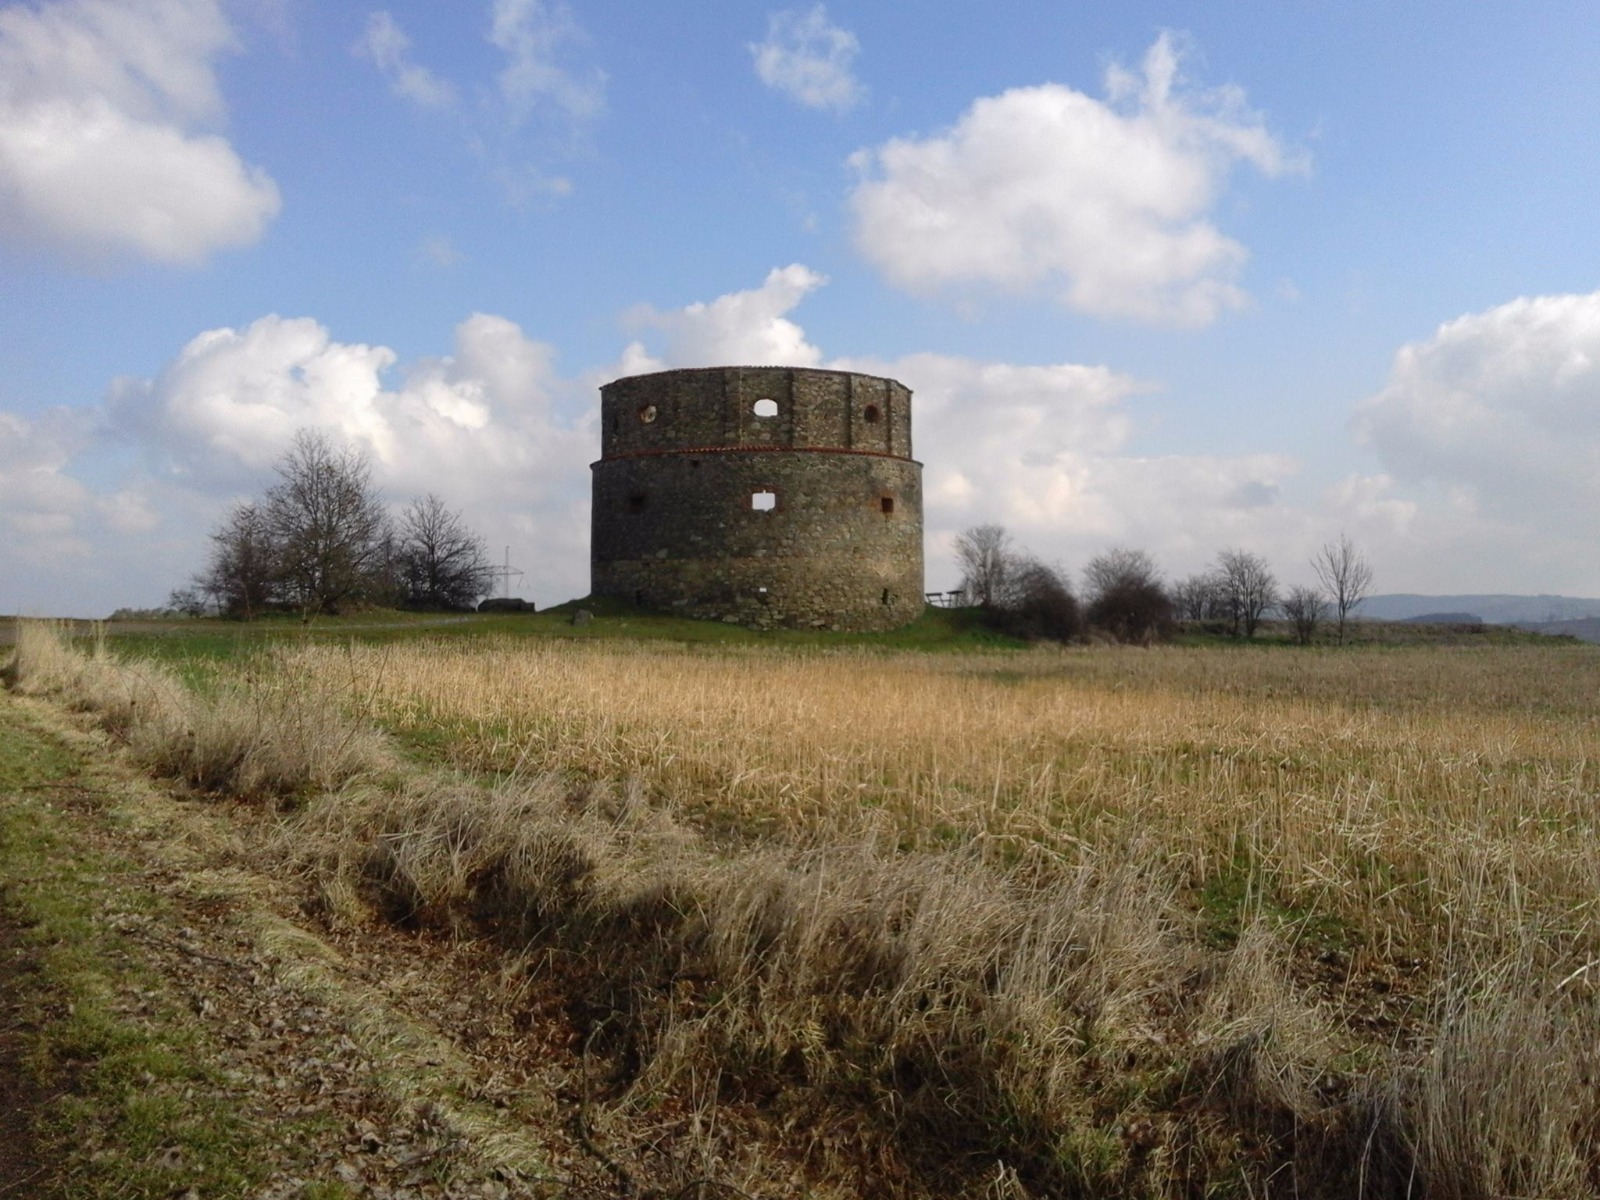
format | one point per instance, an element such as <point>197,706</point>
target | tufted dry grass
<point>1437,800</point>
<point>1082,923</point>
<point>278,734</point>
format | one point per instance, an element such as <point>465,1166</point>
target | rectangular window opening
<point>887,503</point>
<point>763,501</point>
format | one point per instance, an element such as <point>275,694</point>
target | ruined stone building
<point>771,496</point>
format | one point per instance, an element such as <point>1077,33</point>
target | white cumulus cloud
<point>387,45</point>
<point>809,59</point>
<point>232,399</point>
<point>747,328</point>
<point>108,147</point>
<point>1502,410</point>
<point>1107,202</point>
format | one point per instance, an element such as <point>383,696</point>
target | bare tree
<point>440,562</point>
<point>982,553</point>
<point>1304,608</point>
<point>328,524</point>
<point>1033,601</point>
<point>1249,587</point>
<point>1115,567</point>
<point>1345,574</point>
<point>1126,599</point>
<point>1199,598</point>
<point>240,576</point>
<point>191,600</point>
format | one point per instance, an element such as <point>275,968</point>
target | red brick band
<point>754,450</point>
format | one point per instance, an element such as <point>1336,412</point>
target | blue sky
<point>1175,277</point>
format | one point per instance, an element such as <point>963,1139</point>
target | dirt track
<point>354,1056</point>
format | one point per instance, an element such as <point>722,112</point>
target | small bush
<point>1126,598</point>
<point>1035,603</point>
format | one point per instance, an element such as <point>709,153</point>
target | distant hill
<point>1445,618</point>
<point>1526,611</point>
<point>1586,629</point>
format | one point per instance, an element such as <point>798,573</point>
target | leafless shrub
<point>1126,598</point>
<point>1304,608</point>
<point>1020,595</point>
<point>1034,602</point>
<point>983,553</point>
<point>1201,597</point>
<point>241,576</point>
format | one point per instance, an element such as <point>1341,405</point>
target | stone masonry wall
<point>680,410</point>
<point>810,516</point>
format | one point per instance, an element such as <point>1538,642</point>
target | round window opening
<point>871,414</point>
<point>647,413</point>
<point>765,408</point>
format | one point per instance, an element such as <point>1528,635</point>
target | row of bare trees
<point>1126,598</point>
<point>1241,590</point>
<point>321,540</point>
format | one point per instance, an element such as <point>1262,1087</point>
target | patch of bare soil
<point>24,1169</point>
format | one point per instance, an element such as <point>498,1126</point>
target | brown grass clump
<point>276,734</point>
<point>1503,1105</point>
<point>1063,1025</point>
<point>919,1000</point>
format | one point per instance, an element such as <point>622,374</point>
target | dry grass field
<point>1434,801</point>
<point>1061,922</point>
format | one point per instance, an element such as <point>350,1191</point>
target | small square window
<point>763,501</point>
<point>887,504</point>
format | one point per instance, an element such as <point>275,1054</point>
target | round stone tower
<point>762,495</point>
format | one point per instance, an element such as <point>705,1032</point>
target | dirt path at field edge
<point>24,1168</point>
<point>386,1064</point>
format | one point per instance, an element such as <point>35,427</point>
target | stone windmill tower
<point>770,496</point>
